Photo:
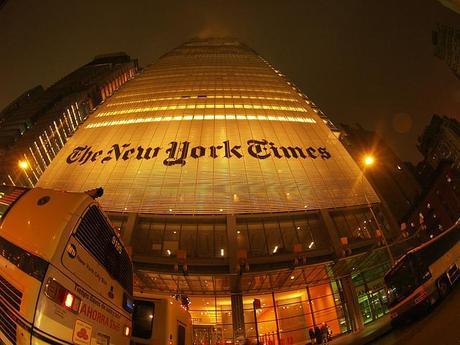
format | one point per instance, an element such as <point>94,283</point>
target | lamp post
<point>368,162</point>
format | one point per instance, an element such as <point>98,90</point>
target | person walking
<point>311,333</point>
<point>325,333</point>
<point>318,335</point>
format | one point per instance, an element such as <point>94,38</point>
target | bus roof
<point>420,247</point>
<point>434,239</point>
<point>36,221</point>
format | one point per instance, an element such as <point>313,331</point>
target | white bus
<point>65,277</point>
<point>160,320</point>
<point>423,275</point>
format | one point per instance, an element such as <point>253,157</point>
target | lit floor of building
<point>229,185</point>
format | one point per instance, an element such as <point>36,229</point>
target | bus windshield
<point>400,281</point>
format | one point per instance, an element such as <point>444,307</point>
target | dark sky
<point>367,61</point>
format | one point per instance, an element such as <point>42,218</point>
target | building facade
<point>393,179</point>
<point>35,126</point>
<point>446,43</point>
<point>230,185</point>
<point>438,206</point>
<point>440,141</point>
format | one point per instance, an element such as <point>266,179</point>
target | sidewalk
<point>371,332</point>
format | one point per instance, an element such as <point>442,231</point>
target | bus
<point>65,276</point>
<point>424,275</point>
<point>160,320</point>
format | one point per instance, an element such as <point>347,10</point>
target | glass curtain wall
<point>212,320</point>
<point>371,294</point>
<point>283,317</point>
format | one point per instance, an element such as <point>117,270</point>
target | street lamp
<point>24,165</point>
<point>369,161</point>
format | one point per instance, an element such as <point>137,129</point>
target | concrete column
<point>129,228</point>
<point>103,93</point>
<point>239,331</point>
<point>232,243</point>
<point>351,300</point>
<point>332,232</point>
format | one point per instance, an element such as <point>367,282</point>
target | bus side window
<point>143,316</point>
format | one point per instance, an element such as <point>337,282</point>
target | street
<point>440,327</point>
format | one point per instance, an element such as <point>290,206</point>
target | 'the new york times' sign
<point>177,153</point>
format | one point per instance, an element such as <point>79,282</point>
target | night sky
<point>367,61</point>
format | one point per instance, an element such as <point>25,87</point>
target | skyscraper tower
<point>225,179</point>
<point>211,128</point>
<point>446,42</point>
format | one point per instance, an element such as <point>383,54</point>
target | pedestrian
<point>325,332</point>
<point>311,333</point>
<point>318,335</point>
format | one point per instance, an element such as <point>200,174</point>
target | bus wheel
<point>443,287</point>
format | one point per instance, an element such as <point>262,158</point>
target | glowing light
<point>68,300</point>
<point>275,249</point>
<point>151,119</point>
<point>222,252</point>
<point>368,160</point>
<point>199,106</point>
<point>23,164</point>
<point>312,243</point>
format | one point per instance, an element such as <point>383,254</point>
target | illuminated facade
<point>36,125</point>
<point>218,169</point>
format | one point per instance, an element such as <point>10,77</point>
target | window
<point>205,240</point>
<point>401,281</point>
<point>143,316</point>
<point>26,262</point>
<point>188,237</point>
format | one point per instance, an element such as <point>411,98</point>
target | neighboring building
<point>446,41</point>
<point>229,185</point>
<point>35,126</point>
<point>439,142</point>
<point>392,178</point>
<point>438,207</point>
<point>454,5</point>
